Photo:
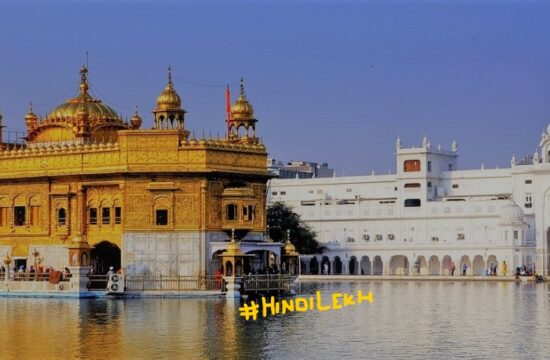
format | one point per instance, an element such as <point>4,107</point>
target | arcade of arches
<point>474,265</point>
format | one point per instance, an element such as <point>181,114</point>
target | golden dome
<point>288,248</point>
<point>84,103</point>
<point>136,120</point>
<point>241,108</point>
<point>169,98</point>
<point>233,248</point>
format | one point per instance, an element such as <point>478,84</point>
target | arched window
<point>105,216</point>
<point>61,217</point>
<point>93,216</point>
<point>231,212</point>
<point>248,213</point>
<point>19,215</point>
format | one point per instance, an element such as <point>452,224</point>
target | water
<point>408,320</point>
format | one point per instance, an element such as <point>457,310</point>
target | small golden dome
<point>288,248</point>
<point>136,120</point>
<point>241,108</point>
<point>169,98</point>
<point>30,115</point>
<point>84,103</point>
<point>233,248</point>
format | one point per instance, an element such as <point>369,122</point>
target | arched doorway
<point>325,266</point>
<point>104,255</point>
<point>337,265</point>
<point>353,266</point>
<point>399,265</point>
<point>446,265</point>
<point>465,265</point>
<point>421,266</point>
<point>303,266</point>
<point>215,263</point>
<point>313,266</point>
<point>365,266</point>
<point>378,266</point>
<point>479,265</point>
<point>434,265</point>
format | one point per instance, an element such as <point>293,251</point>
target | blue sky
<point>330,81</point>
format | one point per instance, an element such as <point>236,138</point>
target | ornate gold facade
<point>84,172</point>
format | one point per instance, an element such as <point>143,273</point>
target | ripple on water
<point>413,320</point>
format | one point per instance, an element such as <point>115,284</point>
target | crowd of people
<point>34,273</point>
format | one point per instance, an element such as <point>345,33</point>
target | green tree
<point>281,218</point>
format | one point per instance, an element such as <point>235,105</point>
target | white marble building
<point>428,213</point>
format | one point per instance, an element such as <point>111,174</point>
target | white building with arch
<point>428,215</point>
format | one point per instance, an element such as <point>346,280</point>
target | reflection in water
<point>407,319</point>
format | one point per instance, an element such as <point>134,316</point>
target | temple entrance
<point>105,255</point>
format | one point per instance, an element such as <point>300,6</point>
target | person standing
<point>453,267</point>
<point>464,268</point>
<point>504,268</point>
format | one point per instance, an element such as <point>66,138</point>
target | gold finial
<point>232,235</point>
<point>136,112</point>
<point>83,79</point>
<point>242,88</point>
<point>30,115</point>
<point>169,74</point>
<point>288,235</point>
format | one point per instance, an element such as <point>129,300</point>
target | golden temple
<point>152,201</point>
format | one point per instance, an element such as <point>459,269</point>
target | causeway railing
<point>173,283</point>
<point>267,282</point>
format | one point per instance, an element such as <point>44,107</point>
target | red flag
<point>228,107</point>
<point>228,102</point>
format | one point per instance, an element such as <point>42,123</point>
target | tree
<point>281,218</point>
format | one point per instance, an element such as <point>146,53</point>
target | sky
<point>330,81</point>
